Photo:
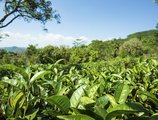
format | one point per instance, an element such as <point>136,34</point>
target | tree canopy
<point>39,10</point>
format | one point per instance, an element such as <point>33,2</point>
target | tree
<point>156,1</point>
<point>31,54</point>
<point>78,43</point>
<point>2,53</point>
<point>51,54</point>
<point>30,51</point>
<point>79,55</point>
<point>132,47</point>
<point>39,10</point>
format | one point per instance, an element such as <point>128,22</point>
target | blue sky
<point>88,20</point>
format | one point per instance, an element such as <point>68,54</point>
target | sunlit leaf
<point>76,117</point>
<point>77,94</point>
<point>92,90</point>
<point>121,92</point>
<point>112,100</point>
<point>125,108</point>
<point>86,100</point>
<point>39,75</point>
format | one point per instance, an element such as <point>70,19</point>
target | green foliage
<point>39,10</point>
<point>136,45</point>
<point>125,109</point>
<point>149,40</point>
<point>143,34</point>
<point>132,47</point>
<point>151,97</point>
<point>76,117</point>
<point>79,55</point>
<point>103,90</point>
<point>83,82</point>
<point>121,93</point>
<point>31,54</point>
<point>51,54</point>
<point>61,102</point>
<point>76,96</point>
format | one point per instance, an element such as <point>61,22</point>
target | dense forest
<point>140,44</point>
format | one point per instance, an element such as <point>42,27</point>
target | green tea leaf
<point>86,100</point>
<point>13,100</point>
<point>112,100</point>
<point>15,69</point>
<point>92,90</point>
<point>121,93</point>
<point>75,98</point>
<point>154,116</point>
<point>32,116</point>
<point>102,101</point>
<point>62,102</point>
<point>39,75</point>
<point>76,117</point>
<point>125,108</point>
<point>101,112</point>
<point>150,96</point>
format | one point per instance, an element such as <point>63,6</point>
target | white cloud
<point>23,40</point>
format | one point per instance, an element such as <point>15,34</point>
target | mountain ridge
<point>13,49</point>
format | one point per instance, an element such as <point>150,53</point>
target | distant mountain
<point>13,49</point>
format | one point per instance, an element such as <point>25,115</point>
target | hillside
<point>13,49</point>
<point>143,34</point>
<point>149,40</point>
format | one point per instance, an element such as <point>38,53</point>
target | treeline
<point>135,45</point>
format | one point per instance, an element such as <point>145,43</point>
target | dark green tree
<point>156,1</point>
<point>2,53</point>
<point>31,50</point>
<point>51,54</point>
<point>39,10</point>
<point>31,54</point>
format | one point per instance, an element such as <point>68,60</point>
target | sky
<point>84,19</point>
